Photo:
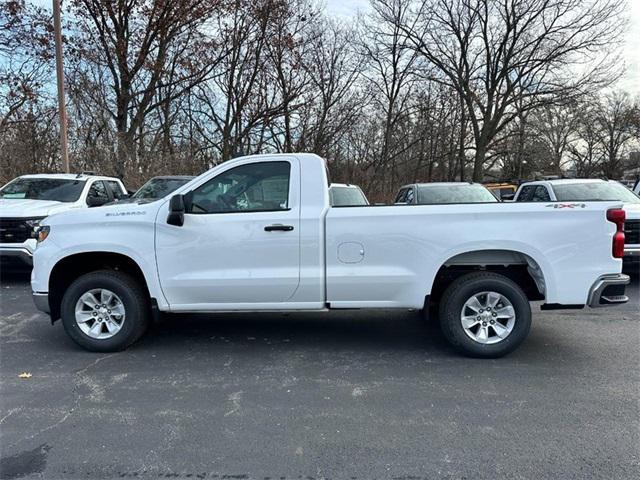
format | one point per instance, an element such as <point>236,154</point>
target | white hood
<point>31,208</point>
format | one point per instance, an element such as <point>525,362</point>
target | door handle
<point>277,226</point>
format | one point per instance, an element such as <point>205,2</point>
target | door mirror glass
<point>176,211</point>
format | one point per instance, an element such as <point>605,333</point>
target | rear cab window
<point>526,193</point>
<point>346,196</point>
<point>98,190</point>
<point>402,195</point>
<point>116,190</point>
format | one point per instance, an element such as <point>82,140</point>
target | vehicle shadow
<point>12,272</point>
<point>349,330</point>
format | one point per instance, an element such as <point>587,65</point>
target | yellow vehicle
<point>504,191</point>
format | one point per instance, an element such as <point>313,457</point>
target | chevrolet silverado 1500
<point>258,233</point>
<point>585,189</point>
<point>27,200</point>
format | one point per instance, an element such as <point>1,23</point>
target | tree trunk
<point>478,162</point>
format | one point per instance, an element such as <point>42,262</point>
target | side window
<point>410,196</point>
<point>98,190</point>
<point>402,195</point>
<point>541,194</point>
<point>115,189</point>
<point>255,187</point>
<point>526,194</point>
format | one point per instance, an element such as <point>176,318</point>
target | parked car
<point>444,193</point>
<point>582,190</point>
<point>259,233</point>
<point>346,195</point>
<point>503,191</point>
<point>27,200</point>
<point>157,188</point>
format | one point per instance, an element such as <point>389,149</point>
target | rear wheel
<point>485,315</point>
<point>105,311</point>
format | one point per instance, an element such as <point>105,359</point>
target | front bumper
<point>608,290</point>
<point>41,301</point>
<point>21,251</point>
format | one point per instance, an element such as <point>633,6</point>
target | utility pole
<point>64,147</point>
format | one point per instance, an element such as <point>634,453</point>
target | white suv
<point>26,200</point>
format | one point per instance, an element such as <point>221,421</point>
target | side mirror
<point>176,211</point>
<point>507,196</point>
<point>96,201</point>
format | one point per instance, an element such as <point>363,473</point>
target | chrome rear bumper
<point>608,290</point>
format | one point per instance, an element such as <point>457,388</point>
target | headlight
<point>34,222</point>
<point>42,233</point>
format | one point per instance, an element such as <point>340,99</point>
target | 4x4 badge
<point>566,205</point>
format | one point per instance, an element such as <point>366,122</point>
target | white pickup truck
<point>27,200</point>
<point>258,233</point>
<point>586,189</point>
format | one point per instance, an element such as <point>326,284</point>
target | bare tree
<point>134,42</point>
<point>556,124</point>
<point>615,116</point>
<point>498,52</point>
<point>391,76</point>
<point>24,57</point>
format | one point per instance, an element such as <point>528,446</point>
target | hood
<point>31,208</point>
<point>632,211</point>
<point>116,212</point>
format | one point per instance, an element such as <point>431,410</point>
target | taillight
<point>617,216</point>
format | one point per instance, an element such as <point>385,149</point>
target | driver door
<point>239,245</point>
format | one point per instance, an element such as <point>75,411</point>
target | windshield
<point>56,189</point>
<point>464,193</point>
<point>158,188</point>
<point>571,192</point>
<point>347,196</point>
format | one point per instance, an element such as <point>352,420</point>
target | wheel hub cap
<point>488,317</point>
<point>99,313</point>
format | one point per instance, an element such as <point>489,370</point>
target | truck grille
<point>14,230</point>
<point>632,231</point>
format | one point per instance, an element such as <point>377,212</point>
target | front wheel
<point>105,311</point>
<point>485,315</point>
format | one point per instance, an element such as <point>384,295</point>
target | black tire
<point>133,297</point>
<point>465,287</point>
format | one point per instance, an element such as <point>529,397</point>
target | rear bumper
<point>631,258</point>
<point>608,290</point>
<point>41,301</point>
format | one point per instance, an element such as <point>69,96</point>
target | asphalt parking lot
<point>350,395</point>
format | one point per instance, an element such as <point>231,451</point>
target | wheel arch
<point>519,266</point>
<point>69,268</point>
